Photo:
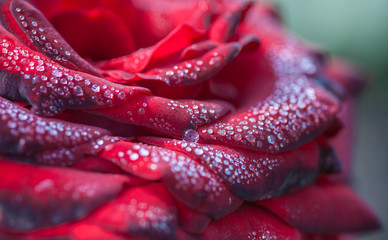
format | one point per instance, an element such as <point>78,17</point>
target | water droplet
<point>134,156</point>
<point>190,135</point>
<point>78,77</point>
<point>144,152</point>
<point>250,138</point>
<point>141,111</point>
<point>95,88</point>
<point>57,73</point>
<point>237,137</point>
<point>198,151</point>
<point>40,68</point>
<point>121,95</point>
<point>221,132</point>
<point>271,139</point>
<point>78,91</point>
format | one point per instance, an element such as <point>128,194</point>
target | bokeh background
<point>358,31</point>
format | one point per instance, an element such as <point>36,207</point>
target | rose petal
<point>254,175</point>
<point>98,33</point>
<point>225,25</point>
<point>191,220</point>
<point>288,109</point>
<point>49,87</point>
<point>181,37</point>
<point>62,156</point>
<point>188,181</point>
<point>22,132</point>
<point>172,117</point>
<point>250,222</point>
<point>312,210</point>
<point>45,38</point>
<point>36,197</point>
<point>76,231</point>
<point>147,211</point>
<point>197,49</point>
<point>196,70</point>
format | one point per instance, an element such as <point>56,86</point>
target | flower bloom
<point>141,119</point>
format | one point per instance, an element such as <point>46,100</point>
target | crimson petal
<point>147,211</point>
<point>181,37</point>
<point>51,88</point>
<point>36,197</point>
<point>46,39</point>
<point>328,208</point>
<point>250,222</point>
<point>196,70</point>
<point>225,25</point>
<point>97,34</point>
<point>191,220</point>
<point>172,117</point>
<point>23,132</point>
<point>289,109</point>
<point>188,181</point>
<point>254,175</point>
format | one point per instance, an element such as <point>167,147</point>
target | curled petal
<point>36,197</point>
<point>186,179</point>
<point>288,109</point>
<point>45,38</point>
<point>22,132</point>
<point>225,25</point>
<point>172,117</point>
<point>191,220</point>
<point>327,208</point>
<point>97,34</point>
<point>250,222</point>
<point>147,211</point>
<point>196,70</point>
<point>254,175</point>
<point>182,37</point>
<point>51,88</point>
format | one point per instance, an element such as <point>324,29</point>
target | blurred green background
<point>358,31</point>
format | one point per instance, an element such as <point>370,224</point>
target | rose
<point>155,165</point>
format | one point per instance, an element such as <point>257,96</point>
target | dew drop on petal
<point>190,135</point>
<point>78,91</point>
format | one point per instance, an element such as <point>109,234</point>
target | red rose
<point>171,120</point>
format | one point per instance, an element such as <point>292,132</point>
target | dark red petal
<point>254,175</point>
<point>324,208</point>
<point>327,237</point>
<point>98,33</point>
<point>46,39</point>
<point>180,38</point>
<point>75,231</point>
<point>280,104</point>
<point>196,70</point>
<point>197,49</point>
<point>95,164</point>
<point>225,25</point>
<point>62,156</point>
<point>190,220</point>
<point>147,211</point>
<point>9,22</point>
<point>172,117</point>
<point>51,88</point>
<point>250,222</point>
<point>343,142</point>
<point>23,132</point>
<point>188,181</point>
<point>35,197</point>
<point>114,127</point>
